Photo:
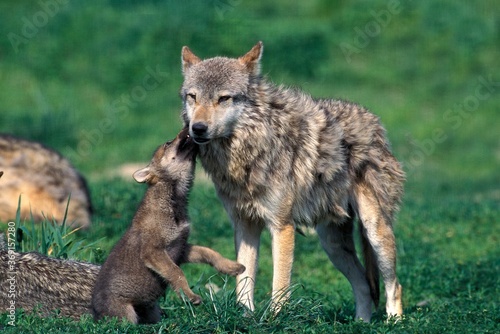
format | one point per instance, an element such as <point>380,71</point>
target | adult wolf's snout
<point>199,132</point>
<point>199,129</point>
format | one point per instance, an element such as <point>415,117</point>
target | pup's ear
<point>142,175</point>
<point>251,60</point>
<point>188,59</point>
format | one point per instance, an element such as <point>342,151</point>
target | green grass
<point>430,59</point>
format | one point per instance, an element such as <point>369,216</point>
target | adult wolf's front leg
<point>247,242</point>
<point>283,243</point>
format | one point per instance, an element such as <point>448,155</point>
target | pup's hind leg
<point>149,313</point>
<point>379,233</point>
<point>337,241</point>
<point>200,254</point>
<point>122,310</point>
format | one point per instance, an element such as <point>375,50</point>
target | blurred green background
<point>98,80</point>
<point>72,72</point>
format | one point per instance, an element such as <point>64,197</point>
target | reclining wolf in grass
<point>45,179</point>
<point>32,281</point>
<point>279,159</point>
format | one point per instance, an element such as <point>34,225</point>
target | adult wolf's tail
<point>371,267</point>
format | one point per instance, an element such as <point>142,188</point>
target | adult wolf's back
<point>279,158</point>
<point>45,179</point>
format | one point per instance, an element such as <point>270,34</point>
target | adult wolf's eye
<point>224,98</point>
<point>191,96</point>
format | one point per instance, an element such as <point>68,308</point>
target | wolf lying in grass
<point>45,179</point>
<point>147,258</point>
<point>32,281</point>
<point>280,158</point>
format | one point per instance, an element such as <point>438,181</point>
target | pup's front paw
<point>232,268</point>
<point>195,299</point>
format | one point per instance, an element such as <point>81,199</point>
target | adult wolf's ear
<point>188,59</point>
<point>251,59</point>
<point>142,175</point>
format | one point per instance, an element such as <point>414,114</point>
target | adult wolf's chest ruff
<point>268,182</point>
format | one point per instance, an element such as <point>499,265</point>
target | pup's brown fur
<point>279,158</point>
<point>45,180</point>
<point>147,258</point>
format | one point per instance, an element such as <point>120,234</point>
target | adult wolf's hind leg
<point>378,229</point>
<point>337,241</point>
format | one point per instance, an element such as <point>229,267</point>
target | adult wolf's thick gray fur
<point>280,158</point>
<point>45,180</point>
<point>44,284</point>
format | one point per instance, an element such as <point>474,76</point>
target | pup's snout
<point>199,128</point>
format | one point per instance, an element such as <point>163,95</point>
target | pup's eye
<point>191,96</point>
<point>224,98</point>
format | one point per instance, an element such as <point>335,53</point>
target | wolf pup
<point>280,158</point>
<point>147,258</point>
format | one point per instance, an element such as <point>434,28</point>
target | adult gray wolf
<point>45,180</point>
<point>147,257</point>
<point>280,159</point>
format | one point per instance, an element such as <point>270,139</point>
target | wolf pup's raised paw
<point>231,268</point>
